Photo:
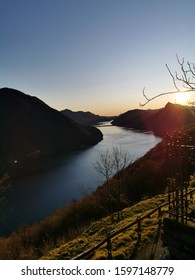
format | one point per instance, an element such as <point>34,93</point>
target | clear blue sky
<point>94,55</point>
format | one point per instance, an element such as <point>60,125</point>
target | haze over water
<point>66,178</point>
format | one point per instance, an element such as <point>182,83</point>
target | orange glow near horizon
<point>182,98</point>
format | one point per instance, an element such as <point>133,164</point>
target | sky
<point>94,55</point>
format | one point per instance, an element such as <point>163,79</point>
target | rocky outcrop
<point>30,129</point>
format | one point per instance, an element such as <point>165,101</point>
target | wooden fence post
<point>177,205</point>
<point>139,229</point>
<point>159,214</point>
<point>169,200</point>
<point>182,202</point>
<point>186,203</point>
<point>109,247</point>
<point>186,212</point>
<point>191,197</point>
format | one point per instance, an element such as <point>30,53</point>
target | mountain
<point>161,121</point>
<point>172,117</point>
<point>31,129</point>
<point>85,118</point>
<point>135,119</point>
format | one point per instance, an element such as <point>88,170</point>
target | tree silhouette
<point>112,163</point>
<point>183,81</point>
<point>120,160</point>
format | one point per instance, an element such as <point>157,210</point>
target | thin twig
<point>187,84</point>
<point>174,82</point>
<point>159,95</point>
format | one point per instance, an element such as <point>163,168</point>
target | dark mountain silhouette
<point>85,118</point>
<point>30,129</point>
<point>172,117</point>
<point>135,119</point>
<point>161,121</point>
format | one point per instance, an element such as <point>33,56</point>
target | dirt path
<point>153,250</point>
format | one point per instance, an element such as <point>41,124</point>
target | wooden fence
<point>108,240</point>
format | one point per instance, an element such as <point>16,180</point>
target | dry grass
<point>123,245</point>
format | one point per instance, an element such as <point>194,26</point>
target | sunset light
<point>182,98</point>
<point>97,138</point>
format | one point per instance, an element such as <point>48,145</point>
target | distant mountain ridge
<point>30,129</point>
<point>85,118</point>
<point>160,121</point>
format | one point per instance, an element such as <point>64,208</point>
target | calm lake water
<point>68,177</point>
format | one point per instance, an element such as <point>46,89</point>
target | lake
<point>68,177</point>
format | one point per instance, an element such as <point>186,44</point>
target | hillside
<point>85,118</point>
<point>161,121</point>
<point>30,129</point>
<point>136,119</point>
<point>75,226</point>
<point>140,182</point>
<point>124,245</point>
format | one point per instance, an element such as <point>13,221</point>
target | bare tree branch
<point>182,82</point>
<point>159,95</point>
<point>190,68</point>
<point>174,79</point>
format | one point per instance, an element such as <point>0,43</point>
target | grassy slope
<point>123,245</point>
